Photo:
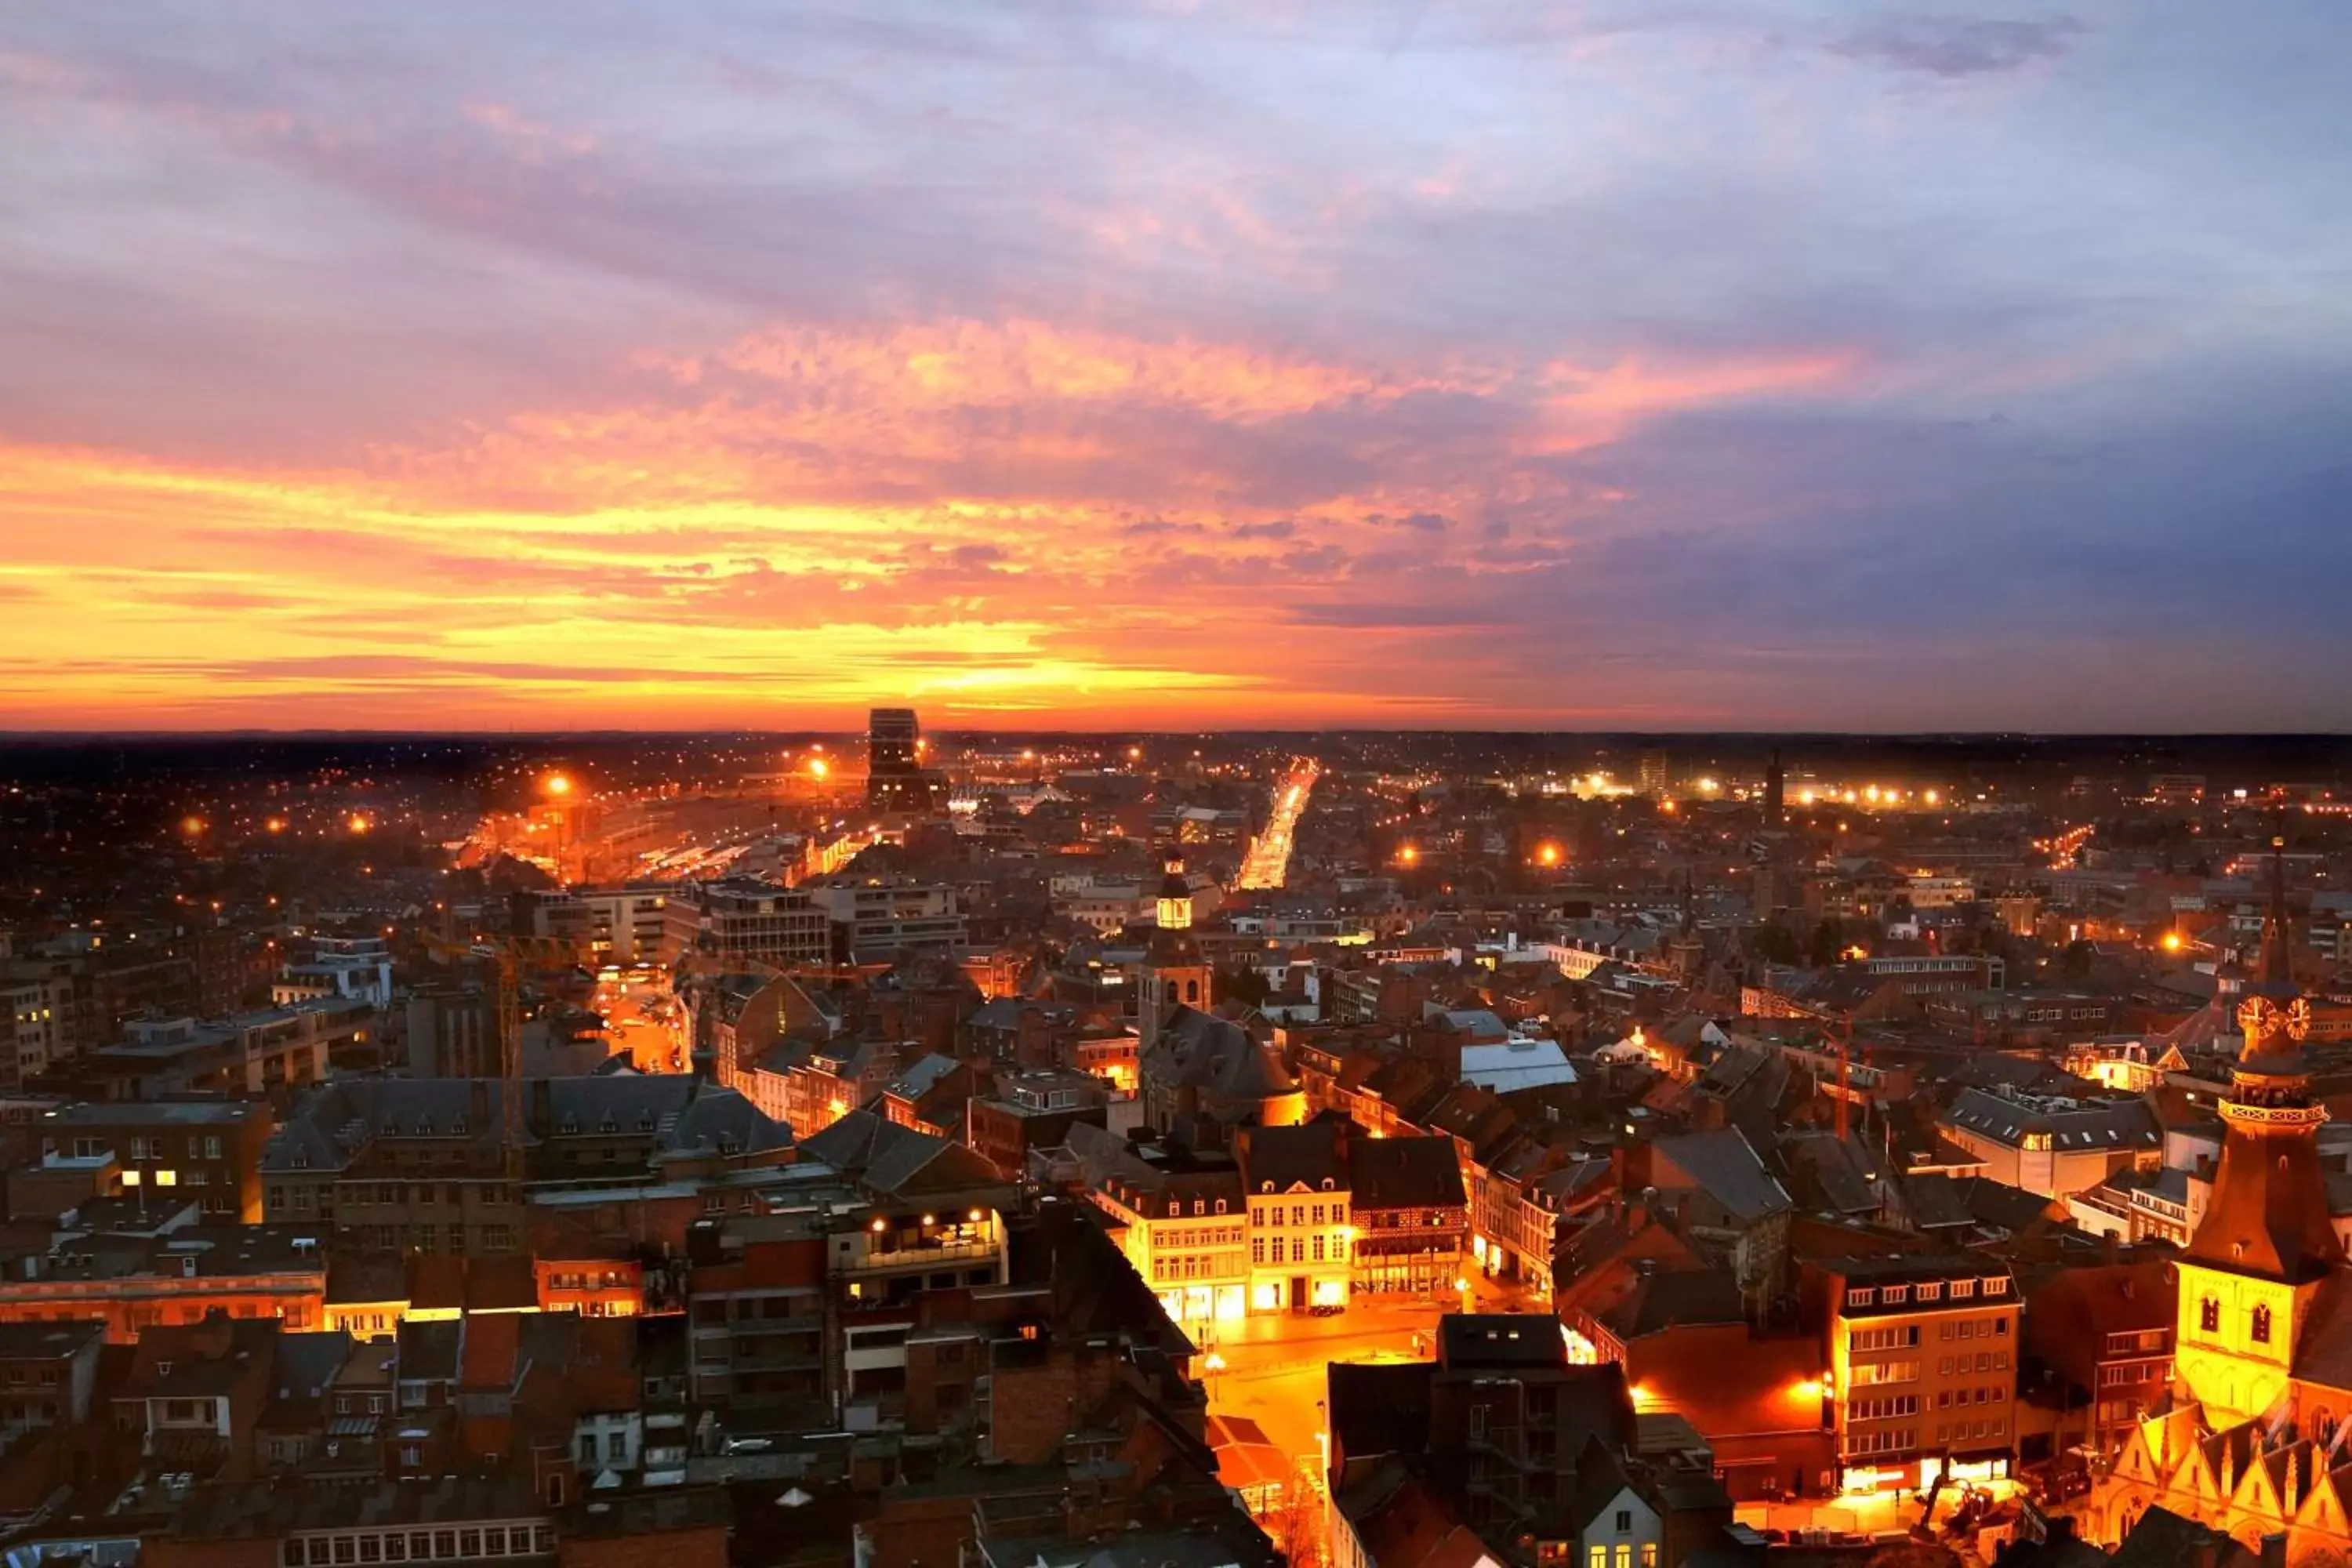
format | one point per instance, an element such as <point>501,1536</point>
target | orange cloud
<point>1021,518</point>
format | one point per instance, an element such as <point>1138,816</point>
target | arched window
<point>1192,991</point>
<point>2209,1315</point>
<point>2261,1325</point>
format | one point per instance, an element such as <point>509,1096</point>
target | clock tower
<point>2266,1246</point>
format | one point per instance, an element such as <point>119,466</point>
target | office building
<point>896,780</point>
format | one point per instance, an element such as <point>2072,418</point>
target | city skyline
<point>1087,367</point>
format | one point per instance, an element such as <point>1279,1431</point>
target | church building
<point>2253,1440</point>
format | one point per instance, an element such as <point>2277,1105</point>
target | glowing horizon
<point>1117,366</point>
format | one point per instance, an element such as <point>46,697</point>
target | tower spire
<point>2275,976</point>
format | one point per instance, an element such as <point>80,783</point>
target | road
<point>1273,1369</point>
<point>1268,865</point>
<point>641,1020</point>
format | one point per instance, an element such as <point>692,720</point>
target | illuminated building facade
<point>1187,1234</point>
<point>2251,1441</point>
<point>1923,1370</point>
<point>1302,1227</point>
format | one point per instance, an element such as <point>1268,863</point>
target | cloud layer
<point>1782,364</point>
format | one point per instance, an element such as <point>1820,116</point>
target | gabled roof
<point>1403,1173</point>
<point>1278,1159</point>
<point>1199,1050</point>
<point>889,1158</point>
<point>1724,1165</point>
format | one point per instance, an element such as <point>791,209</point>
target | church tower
<point>2265,1247</point>
<point>1175,974</point>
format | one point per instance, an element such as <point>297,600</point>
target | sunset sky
<point>1748,365</point>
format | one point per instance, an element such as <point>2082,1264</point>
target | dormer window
<point>1997,1285</point>
<point>1963,1287</point>
<point>1896,1295</point>
<point>1862,1298</point>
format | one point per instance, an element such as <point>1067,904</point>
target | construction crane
<point>506,956</point>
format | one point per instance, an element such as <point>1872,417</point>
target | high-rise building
<point>1776,791</point>
<point>895,777</point>
<point>1653,772</point>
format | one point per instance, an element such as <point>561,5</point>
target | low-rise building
<point>1411,1217</point>
<point>1301,1223</point>
<point>2053,1145</point>
<point>272,1052</point>
<point>208,1153</point>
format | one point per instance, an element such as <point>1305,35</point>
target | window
<point>1860,1297</point>
<point>346,1550</point>
<point>2261,1324</point>
<point>1477,1421</point>
<point>290,1554</point>
<point>469,1542</point>
<point>1649,1554</point>
<point>1624,1555</point>
<point>1963,1287</point>
<point>1597,1558</point>
<point>371,1549</point>
<point>1624,1521</point>
<point>395,1547</point>
<point>1997,1285</point>
<point>494,1541</point>
<point>1896,1295</point>
<point>1257,1249</point>
<point>587,1448</point>
<point>1931,1290</point>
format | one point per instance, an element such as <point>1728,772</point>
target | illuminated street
<point>1270,1369</point>
<point>641,1019</point>
<point>1268,865</point>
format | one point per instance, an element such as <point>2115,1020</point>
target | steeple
<point>2271,1017</point>
<point>2268,1215</point>
<point>2274,976</point>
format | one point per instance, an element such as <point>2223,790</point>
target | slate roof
<point>1724,1166</point>
<point>1282,1157</point>
<point>1676,1299</point>
<point>2074,1127</point>
<point>679,1114</point>
<point>1403,1173</point>
<point>1199,1050</point>
<point>884,1157</point>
